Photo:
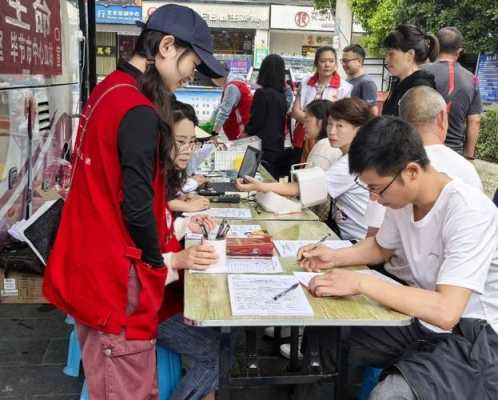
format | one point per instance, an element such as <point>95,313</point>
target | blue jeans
<point>202,347</point>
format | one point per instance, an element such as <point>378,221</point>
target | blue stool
<point>84,392</point>
<point>169,371</point>
<point>370,379</point>
<point>73,361</point>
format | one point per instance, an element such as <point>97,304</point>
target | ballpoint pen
<point>315,245</point>
<point>276,297</point>
<point>221,228</point>
<point>204,232</point>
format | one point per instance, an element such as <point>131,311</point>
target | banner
<point>30,37</point>
<point>487,71</point>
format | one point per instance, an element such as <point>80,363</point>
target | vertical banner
<point>30,37</point>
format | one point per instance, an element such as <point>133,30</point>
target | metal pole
<point>92,51</point>
<point>84,55</point>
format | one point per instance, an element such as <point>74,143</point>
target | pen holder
<point>220,247</point>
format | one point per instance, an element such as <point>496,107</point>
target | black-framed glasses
<point>377,193</point>
<point>348,60</point>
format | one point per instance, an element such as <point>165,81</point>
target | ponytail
<point>432,47</point>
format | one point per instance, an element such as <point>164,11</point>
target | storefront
<point>116,32</point>
<point>297,31</point>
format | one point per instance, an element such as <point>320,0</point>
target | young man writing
<point>448,232</point>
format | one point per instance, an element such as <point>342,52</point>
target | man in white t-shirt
<point>425,109</point>
<point>448,231</point>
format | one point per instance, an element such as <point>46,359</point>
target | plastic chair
<point>169,371</point>
<point>370,379</point>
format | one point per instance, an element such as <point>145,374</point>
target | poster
<point>487,71</point>
<point>30,37</point>
<point>259,54</point>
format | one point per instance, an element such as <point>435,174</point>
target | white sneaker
<point>285,349</point>
<point>285,332</point>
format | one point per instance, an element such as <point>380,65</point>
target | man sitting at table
<point>448,231</point>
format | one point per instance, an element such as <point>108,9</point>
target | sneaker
<point>285,332</point>
<point>285,349</point>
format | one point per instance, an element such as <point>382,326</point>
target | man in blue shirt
<point>363,86</point>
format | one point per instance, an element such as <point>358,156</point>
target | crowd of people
<point>399,184</point>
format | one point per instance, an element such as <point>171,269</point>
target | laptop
<point>249,166</point>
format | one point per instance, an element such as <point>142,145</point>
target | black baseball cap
<point>188,26</point>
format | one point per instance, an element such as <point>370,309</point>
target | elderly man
<point>425,108</point>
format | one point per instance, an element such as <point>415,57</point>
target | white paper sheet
<point>289,248</point>
<point>254,295</point>
<point>255,265</point>
<point>231,213</point>
<point>305,277</point>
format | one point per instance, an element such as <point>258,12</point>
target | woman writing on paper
<point>349,201</point>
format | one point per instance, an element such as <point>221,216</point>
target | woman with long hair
<point>268,112</point>
<point>106,268</point>
<point>406,48</point>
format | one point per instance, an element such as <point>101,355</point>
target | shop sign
<point>117,14</point>
<point>106,51</point>
<point>239,66</point>
<point>223,16</point>
<point>487,71</point>
<point>301,18</point>
<point>30,37</point>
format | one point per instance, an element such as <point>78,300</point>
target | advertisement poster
<point>30,37</point>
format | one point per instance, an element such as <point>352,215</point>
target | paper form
<point>305,277</point>
<point>289,248</point>
<point>254,295</point>
<point>231,213</point>
<point>241,265</point>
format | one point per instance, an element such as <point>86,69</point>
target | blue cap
<point>188,26</point>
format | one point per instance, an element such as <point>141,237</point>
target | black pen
<point>276,297</point>
<point>204,232</point>
<point>314,246</point>
<point>221,228</point>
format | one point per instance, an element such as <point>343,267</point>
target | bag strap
<point>451,84</point>
<point>87,118</point>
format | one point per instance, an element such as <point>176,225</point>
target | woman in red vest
<point>106,267</point>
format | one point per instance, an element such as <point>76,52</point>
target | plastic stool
<point>73,361</point>
<point>370,379</point>
<point>169,371</point>
<point>84,392</point>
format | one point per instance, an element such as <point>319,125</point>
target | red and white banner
<point>30,37</point>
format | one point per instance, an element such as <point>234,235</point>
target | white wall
<point>290,43</point>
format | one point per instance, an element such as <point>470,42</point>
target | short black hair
<point>320,109</point>
<point>356,49</point>
<point>450,40</point>
<point>183,111</point>
<point>386,144</point>
<point>272,72</point>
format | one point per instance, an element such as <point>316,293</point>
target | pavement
<point>33,349</point>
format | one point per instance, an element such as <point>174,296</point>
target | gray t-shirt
<point>364,88</point>
<point>465,100</point>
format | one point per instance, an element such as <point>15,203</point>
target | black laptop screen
<point>250,162</point>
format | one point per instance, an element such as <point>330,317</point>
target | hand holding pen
<point>314,257</point>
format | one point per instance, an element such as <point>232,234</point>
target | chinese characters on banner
<point>30,37</point>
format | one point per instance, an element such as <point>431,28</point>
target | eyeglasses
<point>377,193</point>
<point>348,60</point>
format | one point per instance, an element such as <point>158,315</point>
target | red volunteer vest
<point>239,117</point>
<point>87,272</point>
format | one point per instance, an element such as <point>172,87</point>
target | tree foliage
<point>476,19</point>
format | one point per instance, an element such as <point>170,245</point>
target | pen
<point>275,298</point>
<point>225,231</point>
<point>204,232</point>
<point>314,246</point>
<point>221,228</point>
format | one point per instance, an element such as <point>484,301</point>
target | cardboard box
<point>21,288</point>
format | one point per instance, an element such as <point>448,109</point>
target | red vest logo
<point>302,19</point>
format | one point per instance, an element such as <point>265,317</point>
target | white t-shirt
<point>442,159</point>
<point>455,244</point>
<point>350,200</point>
<point>323,155</point>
